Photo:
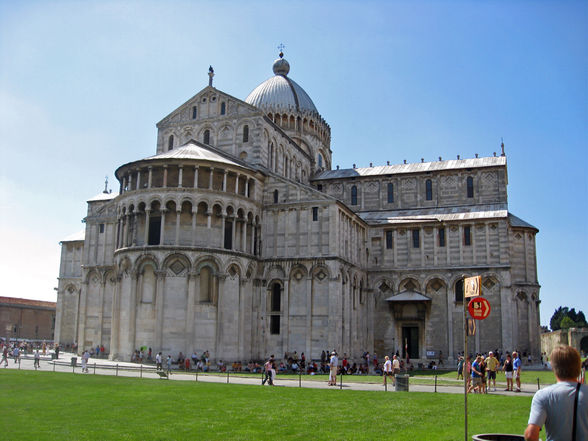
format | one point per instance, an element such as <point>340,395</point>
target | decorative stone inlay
<point>436,285</point>
<point>177,267</point>
<point>410,286</point>
<point>488,283</point>
<point>321,275</point>
<point>384,287</point>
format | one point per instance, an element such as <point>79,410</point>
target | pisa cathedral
<point>238,237</point>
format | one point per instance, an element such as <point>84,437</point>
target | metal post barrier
<point>341,384</point>
<point>141,370</point>
<point>538,386</point>
<point>117,369</point>
<point>94,368</point>
<point>435,383</point>
<point>196,376</point>
<point>385,382</point>
<point>227,377</point>
<point>53,365</point>
<point>19,363</point>
<point>299,378</point>
<point>73,368</point>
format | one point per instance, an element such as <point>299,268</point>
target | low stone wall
<point>576,337</point>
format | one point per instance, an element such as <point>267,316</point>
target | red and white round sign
<point>479,308</point>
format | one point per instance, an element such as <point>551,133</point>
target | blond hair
<point>566,362</point>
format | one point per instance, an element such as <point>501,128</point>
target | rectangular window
<point>274,324</point>
<point>467,236</point>
<point>314,214</point>
<point>390,192</point>
<point>388,240</point>
<point>319,187</point>
<point>441,237</point>
<point>194,112</point>
<point>101,228</point>
<point>416,240</point>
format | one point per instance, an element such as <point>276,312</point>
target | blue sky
<point>82,84</point>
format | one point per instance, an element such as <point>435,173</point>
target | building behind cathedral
<point>238,237</point>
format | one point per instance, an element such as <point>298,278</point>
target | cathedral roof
<point>76,237</point>
<point>281,92</point>
<point>518,222</point>
<point>194,150</point>
<point>409,296</point>
<point>418,167</point>
<point>442,214</point>
<point>103,197</point>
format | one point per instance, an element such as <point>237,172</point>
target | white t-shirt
<point>334,361</point>
<point>396,364</point>
<point>554,407</point>
<point>388,366</point>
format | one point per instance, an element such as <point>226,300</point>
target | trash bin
<point>401,383</point>
<point>498,437</point>
<point>53,356</point>
<point>74,360</point>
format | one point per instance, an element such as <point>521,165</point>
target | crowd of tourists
<point>481,371</point>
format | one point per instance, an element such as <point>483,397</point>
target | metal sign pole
<point>464,368</point>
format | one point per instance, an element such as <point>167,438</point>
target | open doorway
<point>410,341</point>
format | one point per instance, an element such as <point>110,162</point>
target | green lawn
<point>59,406</point>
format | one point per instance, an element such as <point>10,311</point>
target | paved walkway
<point>99,366</point>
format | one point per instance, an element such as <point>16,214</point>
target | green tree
<point>564,318</point>
<point>557,317</point>
<point>567,322</point>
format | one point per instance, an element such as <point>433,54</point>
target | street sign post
<point>479,308</point>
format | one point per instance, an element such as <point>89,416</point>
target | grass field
<point>60,406</point>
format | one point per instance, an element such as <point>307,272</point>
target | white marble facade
<point>239,238</point>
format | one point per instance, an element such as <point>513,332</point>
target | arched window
<point>206,137</point>
<point>276,196</point>
<point>320,160</point>
<point>470,185</point>
<point>206,284</point>
<point>194,112</point>
<point>245,133</point>
<point>170,142</point>
<point>429,189</point>
<point>390,192</point>
<point>223,108</point>
<point>354,195</point>
<point>416,238</point>
<point>467,236</point>
<point>459,291</point>
<point>275,308</point>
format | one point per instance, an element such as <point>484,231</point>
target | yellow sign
<point>472,286</point>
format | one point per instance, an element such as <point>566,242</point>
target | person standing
<point>333,369</point>
<point>492,366</point>
<point>561,407</point>
<point>37,363</point>
<point>516,364</point>
<point>476,385</point>
<point>507,369</point>
<point>5,356</point>
<point>158,366</point>
<point>169,363</point>
<point>460,362</point>
<point>267,371</point>
<point>85,358</point>
<point>387,369</point>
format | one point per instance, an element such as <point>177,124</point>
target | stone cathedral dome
<point>281,92</point>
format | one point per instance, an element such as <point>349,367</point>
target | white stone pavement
<point>99,366</point>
